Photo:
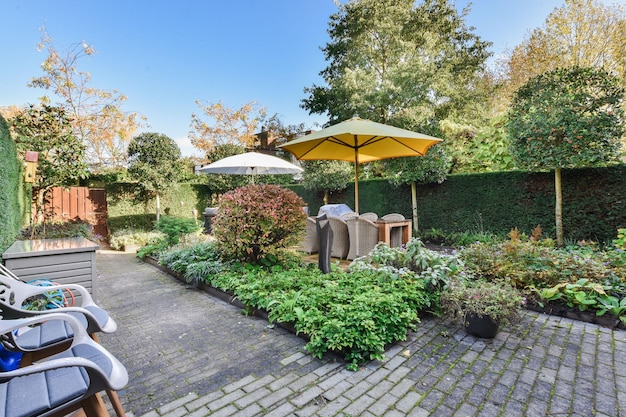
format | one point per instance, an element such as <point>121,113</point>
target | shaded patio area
<point>188,353</point>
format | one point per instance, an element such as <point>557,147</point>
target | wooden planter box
<point>66,261</point>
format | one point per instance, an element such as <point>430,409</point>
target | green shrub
<point>197,263</point>
<point>257,220</point>
<point>175,227</point>
<point>125,237</point>
<point>58,230</point>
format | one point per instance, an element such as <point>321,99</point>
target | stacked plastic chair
<point>51,336</point>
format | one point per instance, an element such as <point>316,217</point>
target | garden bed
<point>562,310</point>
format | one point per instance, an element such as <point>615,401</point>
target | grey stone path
<point>189,354</point>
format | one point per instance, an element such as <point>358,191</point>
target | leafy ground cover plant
<point>433,267</point>
<point>355,314</point>
<point>125,237</point>
<point>195,263</point>
<point>539,264</point>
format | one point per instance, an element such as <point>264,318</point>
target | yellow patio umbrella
<point>359,140</point>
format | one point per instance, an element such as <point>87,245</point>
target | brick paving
<point>190,354</point>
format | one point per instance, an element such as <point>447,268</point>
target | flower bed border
<point>550,308</point>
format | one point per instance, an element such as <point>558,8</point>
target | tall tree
<point>154,162</point>
<point>48,131</point>
<point>96,115</point>
<point>395,62</point>
<point>225,125</point>
<point>566,118</point>
<point>583,33</point>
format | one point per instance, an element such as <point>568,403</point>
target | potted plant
<point>483,306</point>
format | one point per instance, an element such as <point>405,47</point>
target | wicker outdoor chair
<point>371,216</point>
<point>367,236</point>
<point>341,238</point>
<point>396,232</point>
<point>311,243</point>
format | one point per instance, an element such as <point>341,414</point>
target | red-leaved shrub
<point>256,220</point>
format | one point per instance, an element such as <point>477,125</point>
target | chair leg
<point>94,407</point>
<point>116,403</point>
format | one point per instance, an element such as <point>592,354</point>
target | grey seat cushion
<point>34,394</point>
<point>37,393</point>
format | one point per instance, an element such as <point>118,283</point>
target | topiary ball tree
<point>257,220</point>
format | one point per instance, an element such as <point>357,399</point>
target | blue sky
<point>164,55</point>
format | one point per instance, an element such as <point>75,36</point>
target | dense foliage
<point>399,62</point>
<point>11,188</point>
<point>327,176</point>
<point>154,162</point>
<point>355,314</point>
<point>567,118</point>
<point>255,221</point>
<point>48,131</point>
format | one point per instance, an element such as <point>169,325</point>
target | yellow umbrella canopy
<point>360,140</point>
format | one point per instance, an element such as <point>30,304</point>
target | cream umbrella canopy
<point>251,163</point>
<point>359,140</point>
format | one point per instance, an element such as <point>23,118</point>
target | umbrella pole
<point>356,181</point>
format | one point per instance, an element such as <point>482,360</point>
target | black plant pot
<point>480,326</point>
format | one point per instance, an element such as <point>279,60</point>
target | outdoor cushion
<point>334,210</point>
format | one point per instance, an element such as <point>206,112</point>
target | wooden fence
<point>87,204</point>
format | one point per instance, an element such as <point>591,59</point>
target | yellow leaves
<point>227,125</point>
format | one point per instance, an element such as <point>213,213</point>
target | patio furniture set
<point>355,235</point>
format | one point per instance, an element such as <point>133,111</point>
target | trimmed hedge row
<point>594,202</point>
<point>13,199</point>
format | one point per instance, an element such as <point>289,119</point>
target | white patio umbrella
<point>251,163</point>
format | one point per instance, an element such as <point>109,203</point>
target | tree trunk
<point>414,206</point>
<point>558,206</point>
<point>158,207</point>
<point>325,197</point>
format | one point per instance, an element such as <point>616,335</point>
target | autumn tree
<point>96,115</point>
<point>566,118</point>
<point>225,125</point>
<point>583,33</point>
<point>48,131</point>
<point>154,162</point>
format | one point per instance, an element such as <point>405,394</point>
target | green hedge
<point>594,202</point>
<point>180,201</point>
<point>13,195</point>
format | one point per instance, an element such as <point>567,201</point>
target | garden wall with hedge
<point>180,201</point>
<point>594,202</point>
<point>13,198</point>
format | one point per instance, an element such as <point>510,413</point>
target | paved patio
<point>189,354</point>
